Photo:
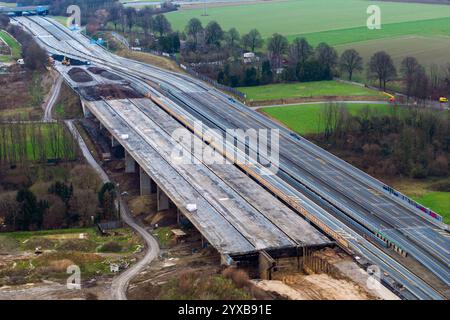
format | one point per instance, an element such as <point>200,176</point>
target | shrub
<point>111,246</point>
<point>238,276</point>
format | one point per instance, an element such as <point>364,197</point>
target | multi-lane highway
<point>350,204</point>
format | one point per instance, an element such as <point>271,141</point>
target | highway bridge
<point>360,213</point>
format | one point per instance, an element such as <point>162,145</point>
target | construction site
<point>315,228</point>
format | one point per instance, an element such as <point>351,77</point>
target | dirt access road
<point>52,97</point>
<point>120,284</point>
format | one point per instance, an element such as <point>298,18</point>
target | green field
<point>308,90</point>
<point>297,17</point>
<point>306,119</point>
<point>439,202</point>
<point>35,142</point>
<point>14,46</point>
<point>340,23</point>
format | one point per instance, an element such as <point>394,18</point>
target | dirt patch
<point>79,75</point>
<point>22,93</point>
<point>105,74</point>
<point>142,205</point>
<point>161,62</point>
<point>314,287</point>
<point>109,92</point>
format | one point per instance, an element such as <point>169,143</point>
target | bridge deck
<point>235,214</point>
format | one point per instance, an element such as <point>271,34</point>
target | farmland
<point>306,119</point>
<point>427,50</point>
<point>423,29</point>
<point>308,90</point>
<point>293,17</point>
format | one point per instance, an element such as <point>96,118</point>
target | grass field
<point>437,201</point>
<point>295,17</point>
<point>305,119</point>
<point>308,90</point>
<point>14,46</point>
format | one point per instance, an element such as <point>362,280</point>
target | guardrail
<point>413,203</point>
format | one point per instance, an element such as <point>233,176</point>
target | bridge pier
<point>162,200</point>
<point>147,185</point>
<point>114,142</point>
<point>86,112</point>
<point>130,163</point>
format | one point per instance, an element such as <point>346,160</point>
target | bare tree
<point>300,51</point>
<point>326,56</point>
<point>193,30</point>
<point>277,46</point>
<point>382,68</point>
<point>232,37</point>
<point>350,62</point>
<point>252,40</point>
<point>409,69</point>
<point>162,25</point>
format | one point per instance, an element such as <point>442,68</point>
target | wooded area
<point>412,142</point>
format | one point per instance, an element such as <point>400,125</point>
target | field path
<point>51,98</point>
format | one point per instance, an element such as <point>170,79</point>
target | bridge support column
<point>147,185</point>
<point>114,142</point>
<point>162,199</point>
<point>226,260</point>
<point>86,112</point>
<point>130,164</point>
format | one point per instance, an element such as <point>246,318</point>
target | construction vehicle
<point>443,100</point>
<point>66,61</point>
<point>391,97</point>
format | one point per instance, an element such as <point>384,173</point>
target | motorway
<point>358,202</point>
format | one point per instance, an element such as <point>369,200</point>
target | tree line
<point>22,144</point>
<point>298,60</point>
<point>34,56</point>
<point>413,143</point>
<point>61,205</point>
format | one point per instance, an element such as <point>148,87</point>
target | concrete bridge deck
<point>234,214</point>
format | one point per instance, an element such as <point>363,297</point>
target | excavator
<point>65,61</point>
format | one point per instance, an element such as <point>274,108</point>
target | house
<point>250,57</point>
